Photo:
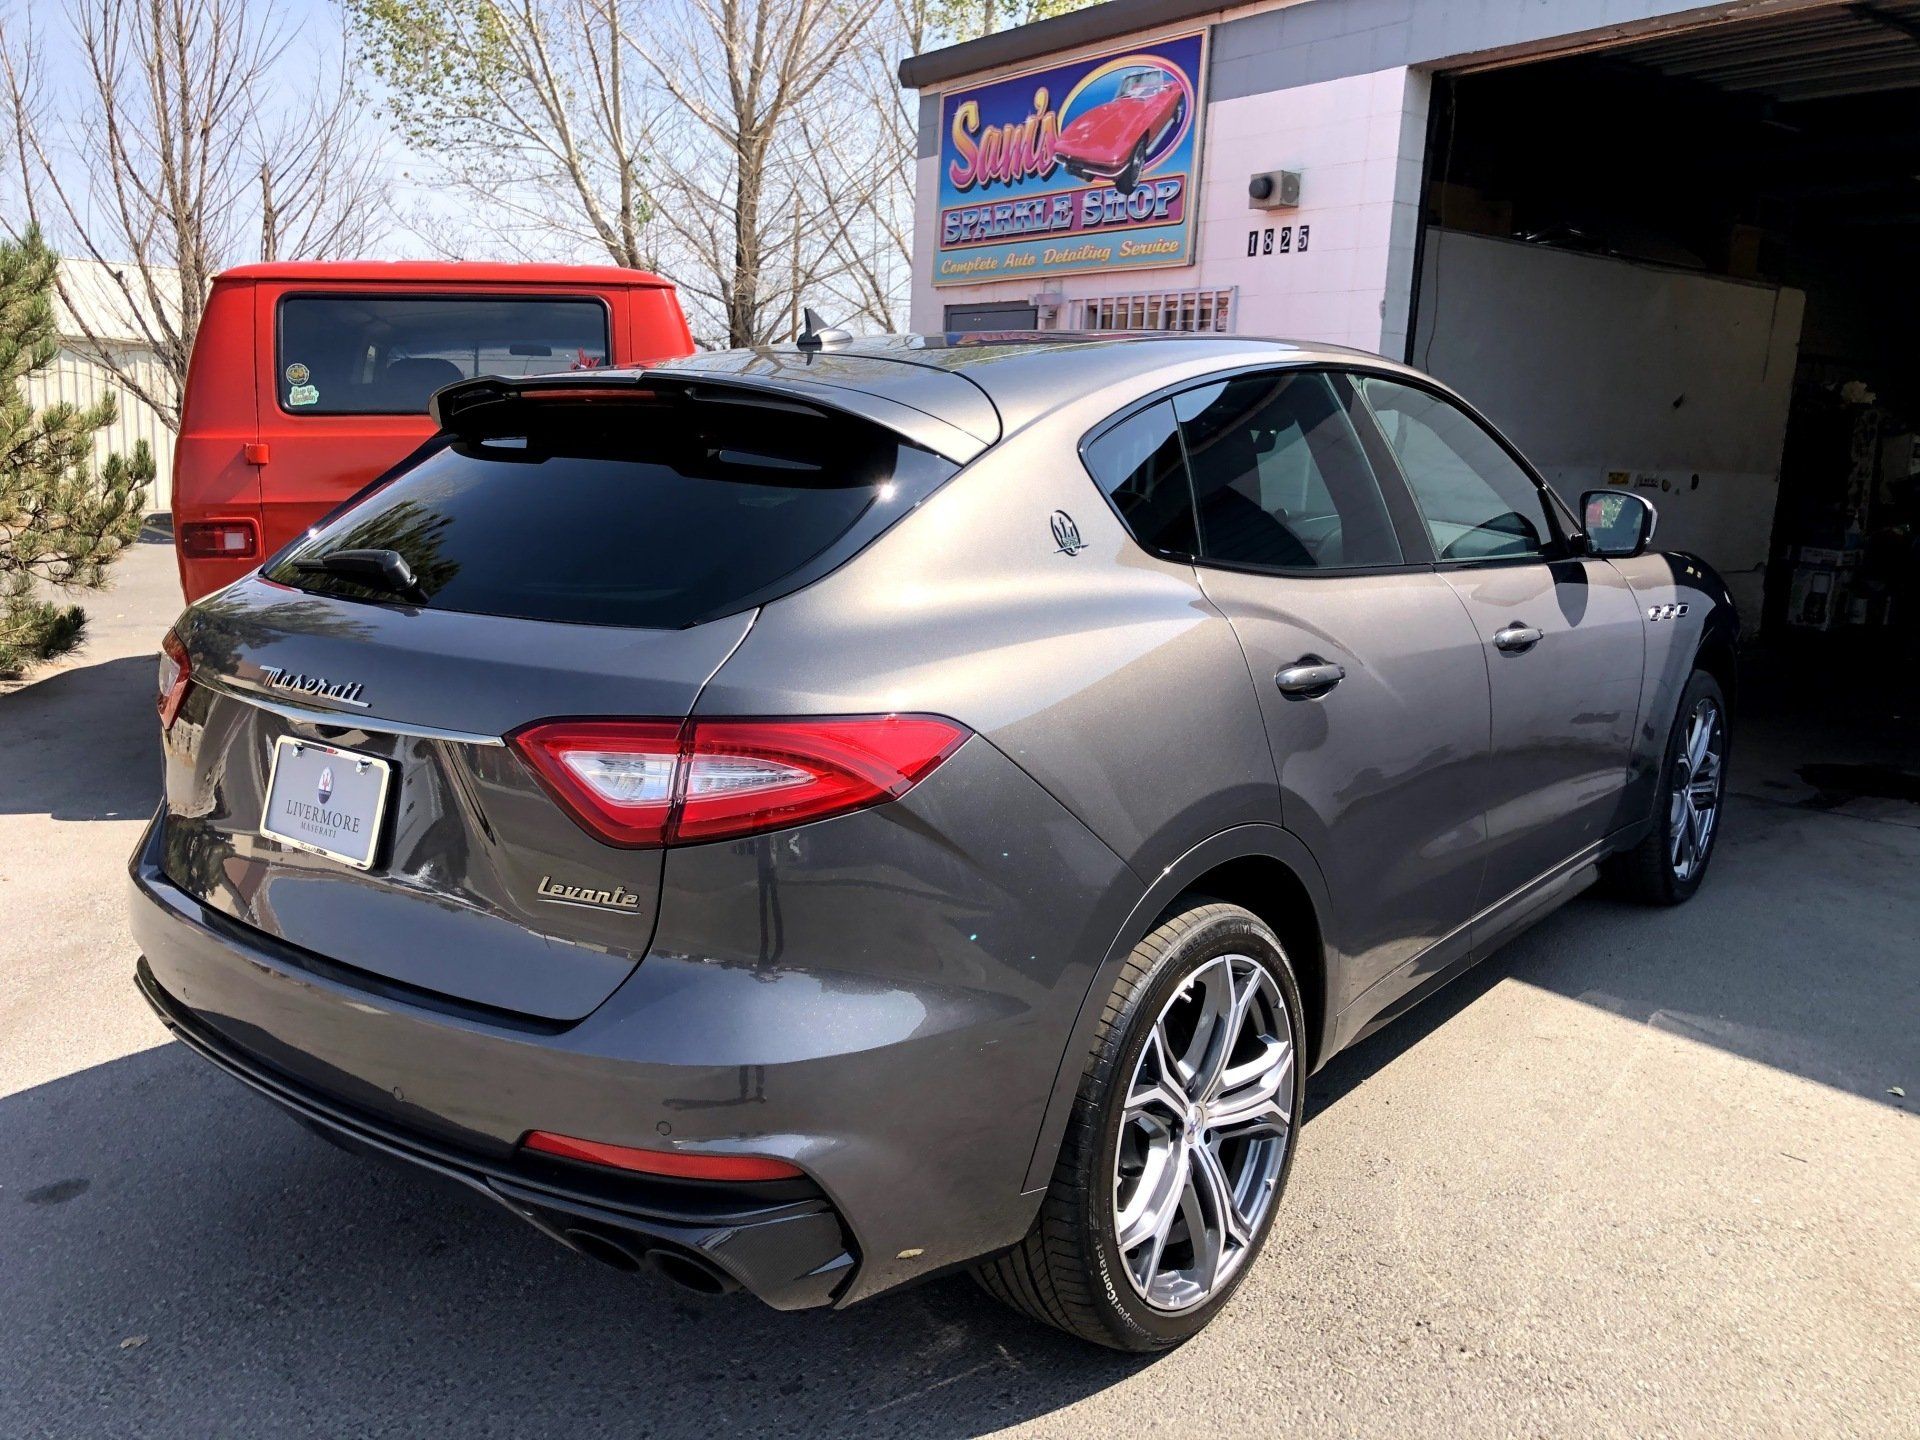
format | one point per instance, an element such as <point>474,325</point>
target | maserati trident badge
<point>324,789</point>
<point>1066,534</point>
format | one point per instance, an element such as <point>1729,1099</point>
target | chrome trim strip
<point>342,719</point>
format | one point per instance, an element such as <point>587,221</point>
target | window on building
<point>1183,311</point>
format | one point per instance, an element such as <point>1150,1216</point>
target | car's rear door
<point>1561,634</point>
<point>1368,674</point>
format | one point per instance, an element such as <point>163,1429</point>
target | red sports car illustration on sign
<point>1113,140</point>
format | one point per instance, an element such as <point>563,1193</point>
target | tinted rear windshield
<point>656,513</point>
<point>385,355</point>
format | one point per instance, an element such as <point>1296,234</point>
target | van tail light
<point>680,1163</point>
<point>639,783</point>
<point>220,540</point>
<point>176,671</point>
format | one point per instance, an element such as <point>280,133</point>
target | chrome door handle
<point>1515,638</point>
<point>1309,677</point>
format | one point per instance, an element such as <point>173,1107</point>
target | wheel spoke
<point>1261,1101</point>
<point>1193,1065</point>
<point>1145,1225</point>
<point>1701,823</point>
<point>1208,1241</point>
<point>1210,1176</point>
<point>1154,1088</point>
<point>1698,737</point>
<point>1242,991</point>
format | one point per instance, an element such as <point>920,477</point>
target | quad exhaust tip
<point>683,1268</point>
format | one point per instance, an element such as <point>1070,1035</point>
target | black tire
<point>1648,872</point>
<point>1067,1271</point>
<point>1128,180</point>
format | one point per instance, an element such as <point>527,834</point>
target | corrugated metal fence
<point>76,377</point>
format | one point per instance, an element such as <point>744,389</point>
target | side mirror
<point>1619,524</point>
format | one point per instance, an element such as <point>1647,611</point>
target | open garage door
<point>1687,265</point>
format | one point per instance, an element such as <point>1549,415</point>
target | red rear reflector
<point>175,673</point>
<point>662,1162</point>
<point>220,540</point>
<point>649,782</point>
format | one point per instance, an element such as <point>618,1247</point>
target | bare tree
<point>150,170</point>
<point>740,73</point>
<point>867,156</point>
<point>956,20</point>
<point>530,107</point>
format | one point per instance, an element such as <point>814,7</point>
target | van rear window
<point>655,513</point>
<point>385,355</point>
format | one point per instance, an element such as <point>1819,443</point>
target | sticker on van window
<point>304,395</point>
<point>297,374</point>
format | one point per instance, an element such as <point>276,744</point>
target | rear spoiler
<point>492,406</point>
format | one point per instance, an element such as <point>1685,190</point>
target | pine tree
<point>63,518</point>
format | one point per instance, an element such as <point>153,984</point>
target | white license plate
<point>326,800</point>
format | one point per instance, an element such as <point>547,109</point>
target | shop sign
<point>1089,166</point>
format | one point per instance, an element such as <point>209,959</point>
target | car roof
<point>444,272</point>
<point>994,384</point>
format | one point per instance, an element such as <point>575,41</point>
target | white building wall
<point>1337,89</point>
<point>1358,142</point>
<point>1602,369</point>
<point>76,378</point>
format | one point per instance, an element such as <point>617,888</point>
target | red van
<point>309,379</point>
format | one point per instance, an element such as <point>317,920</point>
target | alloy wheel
<point>1698,778</point>
<point>1208,1116</point>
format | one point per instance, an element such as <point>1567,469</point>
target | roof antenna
<point>816,336</point>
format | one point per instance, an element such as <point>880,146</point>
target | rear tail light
<point>175,673</point>
<point>661,1162</point>
<point>220,540</point>
<point>638,783</point>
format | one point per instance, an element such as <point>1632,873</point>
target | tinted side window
<point>1279,477</point>
<point>385,355</point>
<point>1138,464</point>
<point>1477,502</point>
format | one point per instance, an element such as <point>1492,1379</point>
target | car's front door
<point>1369,675</point>
<point>1561,634</point>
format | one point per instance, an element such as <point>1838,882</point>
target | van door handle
<point>1516,637</point>
<point>1309,677</point>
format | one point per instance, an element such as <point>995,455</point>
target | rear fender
<point>1268,842</point>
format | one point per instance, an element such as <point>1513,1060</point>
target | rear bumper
<point>882,999</point>
<point>784,1244</point>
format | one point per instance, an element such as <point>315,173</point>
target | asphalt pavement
<point>1642,1172</point>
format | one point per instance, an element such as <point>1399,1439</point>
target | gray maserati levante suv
<point>809,819</point>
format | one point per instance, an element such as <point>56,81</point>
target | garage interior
<point>1722,225</point>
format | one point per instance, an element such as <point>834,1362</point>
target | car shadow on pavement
<point>82,744</point>
<point>1797,953</point>
<point>179,1257</point>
